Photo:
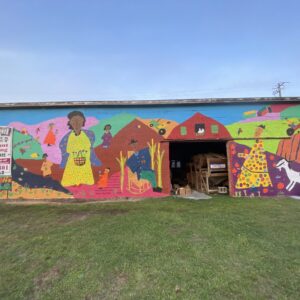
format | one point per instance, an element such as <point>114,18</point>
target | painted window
<point>214,128</point>
<point>200,129</point>
<point>183,130</point>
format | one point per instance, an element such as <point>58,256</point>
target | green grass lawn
<point>168,248</point>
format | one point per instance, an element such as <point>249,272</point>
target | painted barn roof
<point>199,127</point>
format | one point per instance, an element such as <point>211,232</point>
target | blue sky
<point>54,50</point>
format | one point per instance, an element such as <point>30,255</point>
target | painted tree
<point>152,149</point>
<point>122,162</point>
<point>159,159</point>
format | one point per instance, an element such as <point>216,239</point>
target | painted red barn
<point>199,127</point>
<point>134,131</point>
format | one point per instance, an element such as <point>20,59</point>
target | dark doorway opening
<point>182,154</point>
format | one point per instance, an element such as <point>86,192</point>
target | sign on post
<point>5,158</point>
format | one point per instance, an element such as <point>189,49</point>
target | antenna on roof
<point>279,87</point>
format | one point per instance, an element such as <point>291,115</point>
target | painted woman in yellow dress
<point>78,154</point>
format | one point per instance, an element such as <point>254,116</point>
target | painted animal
<point>293,175</point>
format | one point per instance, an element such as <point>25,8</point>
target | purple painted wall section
<point>276,177</point>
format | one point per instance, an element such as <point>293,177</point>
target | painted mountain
<point>117,122</point>
<point>25,146</point>
<point>277,119</point>
<point>161,126</point>
<point>291,112</point>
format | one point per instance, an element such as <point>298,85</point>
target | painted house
<point>111,149</point>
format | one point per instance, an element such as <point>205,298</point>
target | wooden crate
<point>216,174</point>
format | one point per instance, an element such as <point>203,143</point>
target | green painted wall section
<point>26,147</point>
<point>291,112</point>
<point>117,122</point>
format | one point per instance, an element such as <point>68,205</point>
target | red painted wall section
<point>199,127</point>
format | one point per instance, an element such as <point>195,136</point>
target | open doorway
<point>202,165</point>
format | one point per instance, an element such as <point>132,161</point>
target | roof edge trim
<point>150,102</point>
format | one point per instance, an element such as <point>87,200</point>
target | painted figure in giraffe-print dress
<point>254,172</point>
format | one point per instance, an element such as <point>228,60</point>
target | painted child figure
<point>46,166</point>
<point>103,179</point>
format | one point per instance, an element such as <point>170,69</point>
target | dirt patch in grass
<point>70,217</point>
<point>175,230</point>
<point>112,289</point>
<point>59,202</point>
<point>44,280</point>
<point>197,238</point>
<point>113,212</point>
<point>120,280</point>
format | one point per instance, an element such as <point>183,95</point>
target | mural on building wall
<point>93,153</point>
<point>266,167</point>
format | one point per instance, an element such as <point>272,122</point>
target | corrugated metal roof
<point>150,102</point>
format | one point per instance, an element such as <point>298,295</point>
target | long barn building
<point>113,149</point>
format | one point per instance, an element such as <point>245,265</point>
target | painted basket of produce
<point>79,161</point>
